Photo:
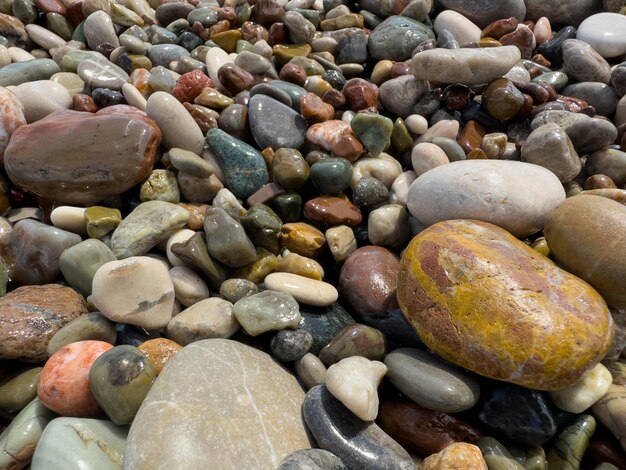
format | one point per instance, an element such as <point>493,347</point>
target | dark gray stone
<point>311,459</point>
<point>275,125</point>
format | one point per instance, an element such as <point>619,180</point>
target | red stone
<point>360,94</point>
<point>190,85</point>
<point>332,210</point>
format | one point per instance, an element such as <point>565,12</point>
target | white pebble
<point>133,96</point>
<point>388,226</point>
<point>341,241</point>
<point>189,287</point>
<point>426,156</point>
<point>69,218</point>
<point>416,123</point>
<point>385,169</point>
<point>399,193</point>
<point>41,98</point>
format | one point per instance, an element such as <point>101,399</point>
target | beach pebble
<point>303,289</point>
<point>266,311</point>
<point>583,394</point>
<point>208,318</point>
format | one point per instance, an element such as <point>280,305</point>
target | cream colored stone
<point>133,96</point>
<point>304,289</point>
<point>354,382</point>
<point>136,290</point>
<point>5,56</point>
<point>341,241</point>
<point>592,386</point>
<point>426,156</point>
<point>447,128</point>
<point>69,218</point>
<point>20,55</point>
<point>189,287</point>
<point>225,199</point>
<point>611,411</point>
<point>463,30</point>
<point>179,236</point>
<point>399,193</point>
<point>209,318</point>
<point>416,123</point>
<point>385,169</point>
<point>42,97</point>
<point>44,37</point>
<point>388,226</point>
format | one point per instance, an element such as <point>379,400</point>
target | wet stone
<point>289,345</point>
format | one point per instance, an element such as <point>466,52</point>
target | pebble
<point>430,382</point>
<point>484,12</point>
<point>359,444</point>
<point>353,381</point>
<point>314,459</point>
<point>498,190</point>
<point>144,292</point>
<point>583,63</point>
<point>18,390</point>
<point>550,147</point>
<point>189,287</point>
<point>290,345</point>
<point>226,239</point>
<point>266,311</point>
<point>430,257</point>
<point>303,289</point>
<point>354,340</point>
<point>90,326</point>
<point>287,129</point>
<point>64,382</point>
<point>396,38</point>
<point>258,411</point>
<point>456,455</point>
<point>460,27</point>
<point>79,263</point>
<point>609,411</point>
<point>604,33</point>
<point>41,98</point>
<point>208,318</point>
<point>592,386</point>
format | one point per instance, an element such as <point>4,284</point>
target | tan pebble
<point>301,265</point>
<point>341,241</point>
<point>189,287</point>
<point>426,156</point>
<point>310,370</point>
<point>457,456</point>
<point>305,290</point>
<point>159,351</point>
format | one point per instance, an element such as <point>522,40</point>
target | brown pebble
<point>253,32</point>
<point>205,118</point>
<point>159,351</point>
<point>522,38</point>
<point>82,102</point>
<point>334,98</point>
<point>471,136</point>
<point>278,34</point>
<point>599,182</point>
<point>197,212</point>
<point>400,68</point>
<point>499,28</point>
<point>332,211</point>
<point>314,109</point>
<point>360,94</point>
<point>235,79</point>
<point>265,194</point>
<point>293,73</point>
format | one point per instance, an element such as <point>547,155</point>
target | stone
<point>609,162</point>
<point>64,382</point>
<point>79,155</point>
<point>354,382</point>
<point>243,166</point>
<point>267,311</point>
<point>401,94</point>
<point>226,239</point>
<point>80,443</point>
<point>208,318</point>
<point>518,414</point>
<point>98,72</point>
<point>41,98</point>
<point>354,340</point>
<point>369,193</point>
<point>332,175</point>
<point>336,137</point>
<point>467,66</point>
<point>31,315</point>
<point>249,419</point>
<point>484,12</point>
<point>331,210</point>
<point>599,95</point>
<point>286,129</point>
<point>12,113</point>
<point>79,263</point>
<point>18,390</point>
<point>388,225</point>
<point>456,328</point>
<point>341,242</point>
<point>583,64</point>
<point>148,224</point>
<point>425,156</point>
<point>144,293</point>
<point>98,29</point>
<point>100,220</point>
<point>31,70</point>
<point>570,444</point>
<point>189,287</point>
<point>19,440</point>
<point>603,32</point>
<point>288,345</point>
<point>23,249</point>
<point>91,326</point>
<point>431,199</point>
<point>422,431</point>
<point>575,243</point>
<point>568,12</point>
<point>550,147</point>
<point>373,130</point>
<point>310,370</point>
<point>456,455</point>
<point>396,37</point>
<point>430,382</point>
<point>359,444</point>
<point>304,290</point>
<point>461,29</point>
<point>592,386</point>
<point>312,459</point>
<point>234,289</point>
<point>609,410</point>
<point>302,238</point>
<point>496,455</point>
<point>119,380</point>
<point>262,225</point>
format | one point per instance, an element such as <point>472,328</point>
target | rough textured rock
<point>483,300</point>
<point>238,409</point>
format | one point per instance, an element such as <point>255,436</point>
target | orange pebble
<point>159,351</point>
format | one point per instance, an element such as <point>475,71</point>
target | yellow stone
<point>486,301</point>
<point>266,263</point>
<point>489,42</point>
<point>159,351</point>
<point>285,52</point>
<point>213,99</point>
<point>101,220</point>
<point>295,264</point>
<point>302,238</point>
<point>227,40</point>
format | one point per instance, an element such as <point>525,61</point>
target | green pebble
<point>80,262</point>
<point>401,138</point>
<point>373,130</point>
<point>25,11</point>
<point>497,456</point>
<point>289,168</point>
<point>195,252</point>
<point>59,25</point>
<point>101,220</point>
<point>29,71</point>
<point>243,45</point>
<point>288,206</point>
<point>452,149</point>
<point>570,444</point>
<point>332,175</point>
<point>79,33</point>
<point>262,226</point>
<point>91,326</point>
<point>557,79</point>
<point>19,390</point>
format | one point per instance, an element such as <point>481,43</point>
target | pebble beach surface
<point>313,234</point>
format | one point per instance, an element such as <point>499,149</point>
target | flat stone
<point>150,223</point>
<point>208,318</point>
<point>92,326</point>
<point>79,263</point>
<point>431,382</point>
<point>248,419</point>
<point>592,386</point>
<point>287,128</point>
<point>100,73</point>
<point>144,293</point>
<point>22,72</point>
<point>31,315</point>
<point>467,66</point>
<point>80,443</point>
<point>396,38</point>
<point>80,166</point>
<point>499,192</point>
<point>359,444</point>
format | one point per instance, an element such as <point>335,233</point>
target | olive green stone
<point>227,40</point>
<point>138,61</point>
<point>452,149</point>
<point>101,220</point>
<point>497,456</point>
<point>18,390</point>
<point>332,175</point>
<point>310,66</point>
<point>194,251</point>
<point>536,459</point>
<point>59,25</point>
<point>266,311</point>
<point>570,444</point>
<point>150,223</point>
<point>285,52</point>
<point>243,45</point>
<point>91,326</point>
<point>226,239</point>
<point>18,441</point>
<point>80,262</point>
<point>401,138</point>
<point>190,163</point>
<point>266,263</point>
<point>236,289</point>
<point>120,380</point>
<point>289,168</point>
<point>263,227</point>
<point>74,57</point>
<point>161,185</point>
<point>124,16</point>
<point>79,34</point>
<point>373,130</point>
<point>25,10</point>
<point>288,206</point>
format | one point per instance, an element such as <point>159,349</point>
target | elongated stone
<point>92,326</point>
<point>22,72</point>
<point>226,239</point>
<point>18,390</point>
<point>571,443</point>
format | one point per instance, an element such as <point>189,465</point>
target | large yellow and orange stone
<point>482,299</point>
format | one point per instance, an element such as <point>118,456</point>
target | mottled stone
<point>214,416</point>
<point>457,455</point>
<point>312,459</point>
<point>80,166</point>
<point>31,315</point>
<point>452,321</point>
<point>354,340</point>
<point>610,410</point>
<point>11,117</point>
<point>266,311</point>
<point>287,128</point>
<point>592,386</point>
<point>570,444</point>
<point>359,444</point>
<point>583,63</point>
<point>159,351</point>
<point>396,37</point>
<point>484,12</point>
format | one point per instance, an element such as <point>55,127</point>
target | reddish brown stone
<point>423,431</point>
<point>277,34</point>
<point>197,212</point>
<point>82,102</point>
<point>337,137</point>
<point>51,6</point>
<point>332,211</point>
<point>227,14</point>
<point>219,27</point>
<point>471,137</point>
<point>205,118</point>
<point>499,28</point>
<point>265,194</point>
<point>293,73</point>
<point>400,68</point>
<point>235,79</point>
<point>354,340</point>
<point>253,32</point>
<point>75,13</point>
<point>599,182</point>
<point>368,281</point>
<point>267,12</point>
<point>522,38</point>
<point>334,98</point>
<point>457,96</point>
<point>314,110</point>
<point>190,85</point>
<point>604,448</point>
<point>31,315</point>
<point>360,94</point>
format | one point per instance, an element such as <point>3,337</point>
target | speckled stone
<point>290,345</point>
<point>287,128</point>
<point>312,459</point>
<point>250,419</point>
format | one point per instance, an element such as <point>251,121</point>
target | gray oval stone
<point>226,239</point>
<point>91,326</point>
<point>286,128</point>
